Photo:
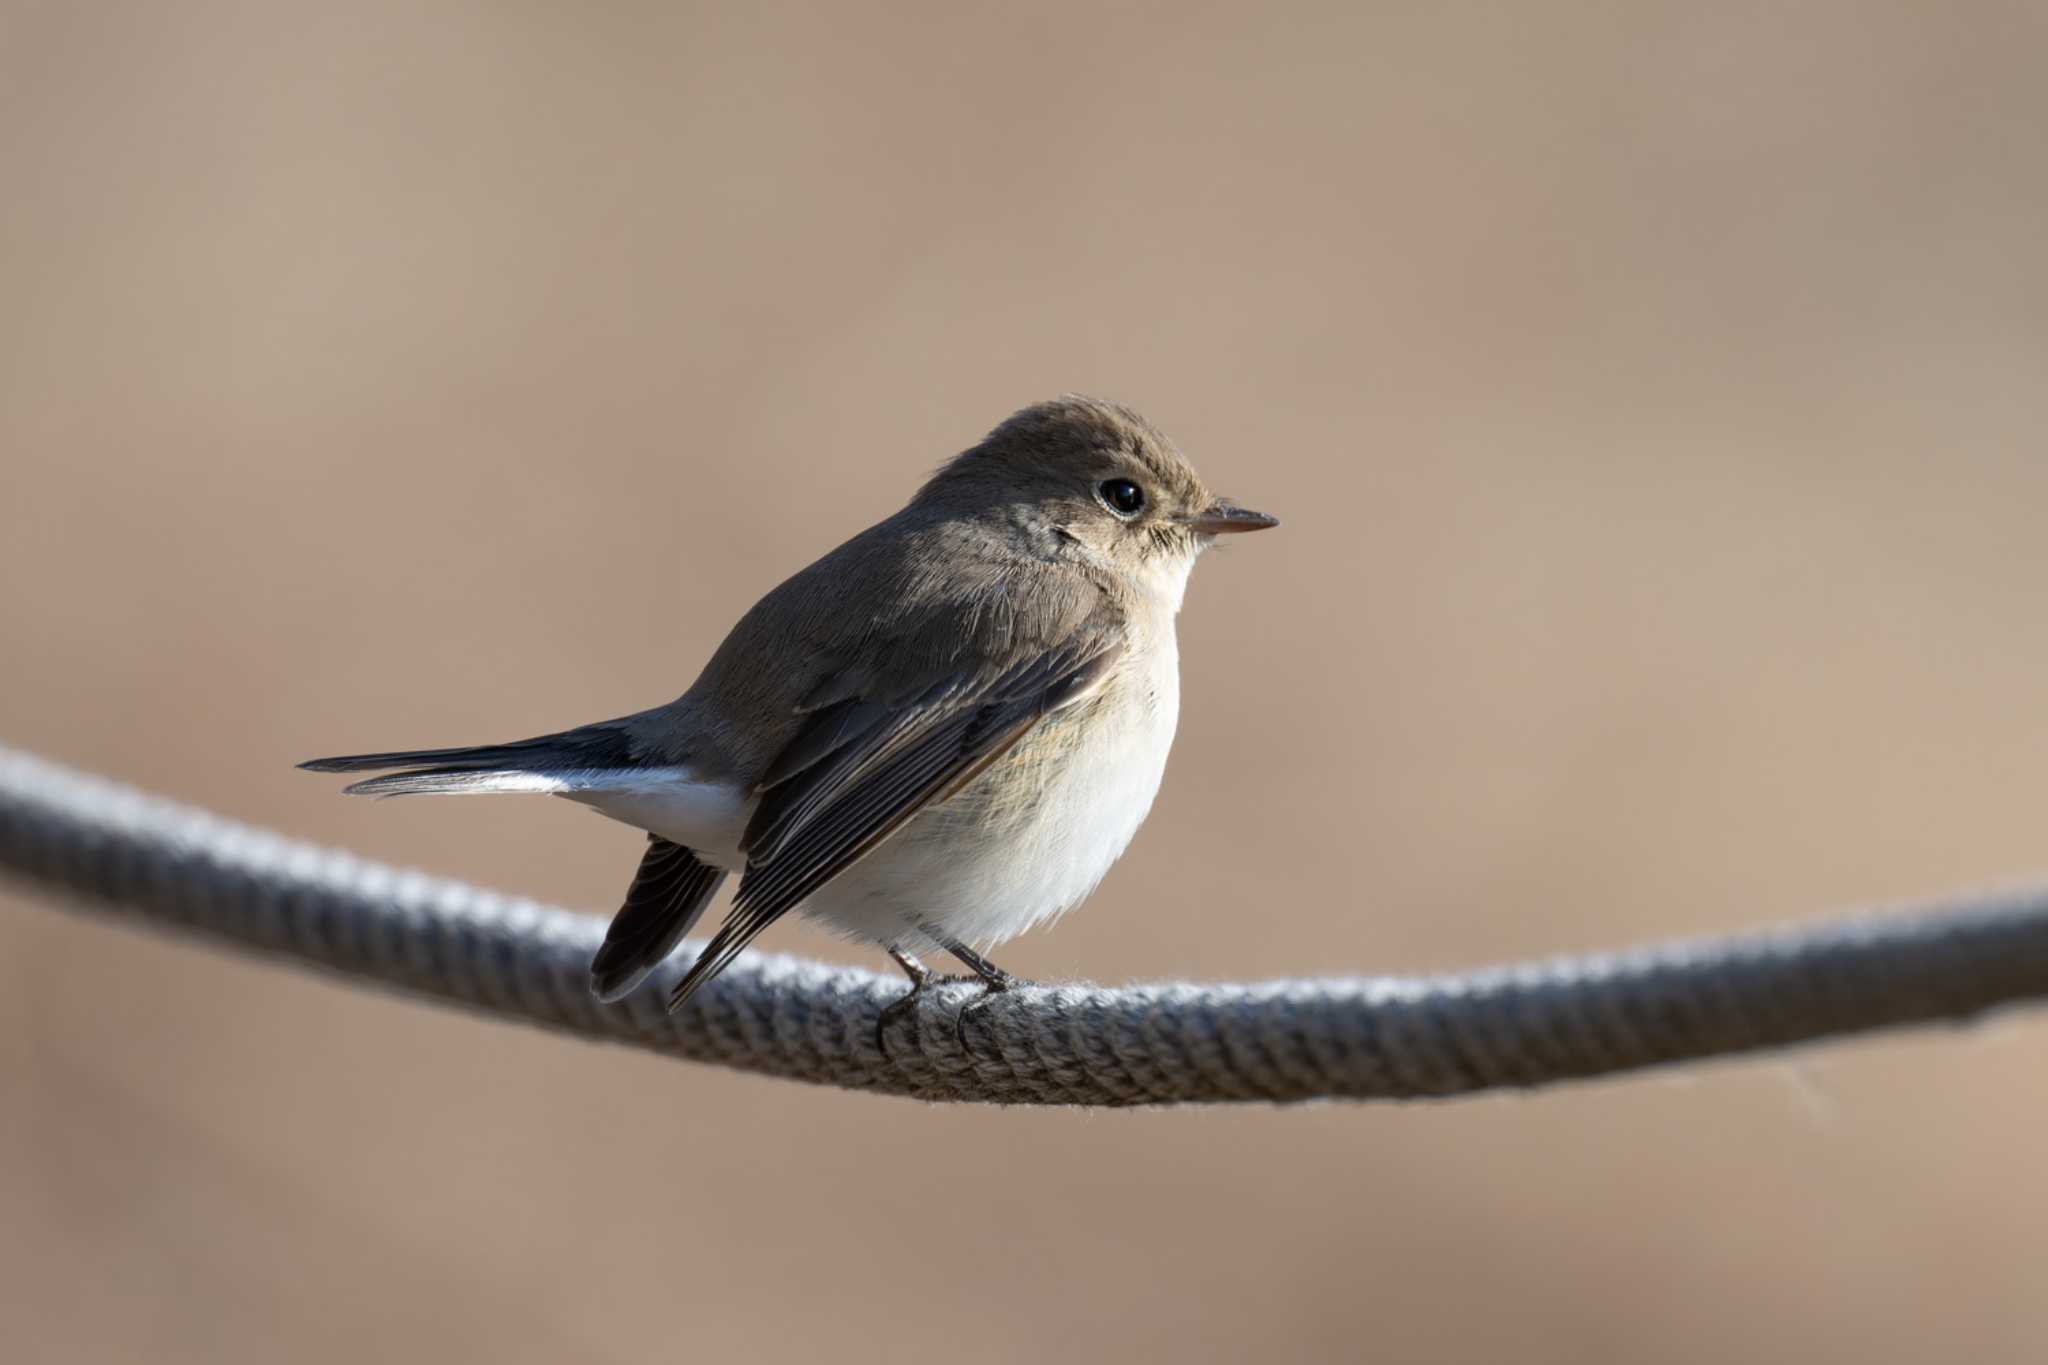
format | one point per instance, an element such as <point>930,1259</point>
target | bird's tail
<point>545,763</point>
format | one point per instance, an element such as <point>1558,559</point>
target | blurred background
<point>1653,396</point>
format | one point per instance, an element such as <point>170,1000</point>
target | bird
<point>934,738</point>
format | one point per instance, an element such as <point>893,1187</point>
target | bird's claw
<point>990,990</point>
<point>920,976</point>
<point>992,979</point>
<point>891,1012</point>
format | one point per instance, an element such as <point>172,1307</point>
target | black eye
<point>1123,496</point>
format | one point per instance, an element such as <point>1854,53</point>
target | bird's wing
<point>879,744</point>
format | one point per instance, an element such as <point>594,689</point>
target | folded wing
<point>864,765</point>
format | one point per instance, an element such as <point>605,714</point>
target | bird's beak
<point>1225,518</point>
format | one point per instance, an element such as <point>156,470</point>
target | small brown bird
<point>939,735</point>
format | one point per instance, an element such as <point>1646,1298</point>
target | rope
<point>1176,1043</point>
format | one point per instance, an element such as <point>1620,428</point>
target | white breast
<point>983,871</point>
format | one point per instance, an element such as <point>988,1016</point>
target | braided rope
<point>1177,1043</point>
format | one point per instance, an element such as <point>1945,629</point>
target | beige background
<point>1654,398</point>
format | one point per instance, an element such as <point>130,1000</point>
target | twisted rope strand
<point>1174,1043</point>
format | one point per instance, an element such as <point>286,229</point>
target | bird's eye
<point>1122,496</point>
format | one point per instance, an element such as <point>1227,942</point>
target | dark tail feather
<point>484,767</point>
<point>666,898</point>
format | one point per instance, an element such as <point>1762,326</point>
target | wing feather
<point>860,769</point>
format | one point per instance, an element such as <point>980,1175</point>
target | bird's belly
<point>1026,841</point>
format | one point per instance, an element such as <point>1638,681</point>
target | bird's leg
<point>919,975</point>
<point>993,978</point>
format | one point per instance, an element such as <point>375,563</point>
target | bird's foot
<point>905,1006</point>
<point>995,981</point>
<point>991,988</point>
<point>920,976</point>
